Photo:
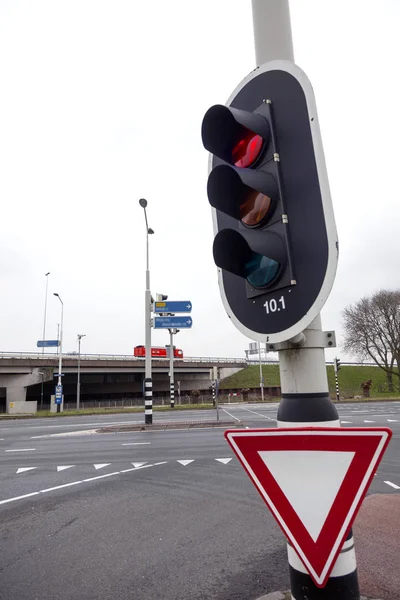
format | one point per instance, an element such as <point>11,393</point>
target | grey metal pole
<point>304,383</point>
<point>60,355</point>
<point>45,313</point>
<point>171,368</point>
<point>148,384</point>
<point>78,385</point>
<point>261,373</point>
<point>58,335</point>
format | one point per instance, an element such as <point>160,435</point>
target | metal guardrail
<point>127,357</point>
<point>187,359</point>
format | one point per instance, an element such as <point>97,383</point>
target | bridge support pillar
<point>16,385</point>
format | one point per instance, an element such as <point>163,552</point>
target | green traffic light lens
<point>255,208</point>
<point>261,270</point>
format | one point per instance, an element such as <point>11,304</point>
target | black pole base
<point>337,588</point>
<point>148,419</point>
<point>306,408</point>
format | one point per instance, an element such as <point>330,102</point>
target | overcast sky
<point>101,104</point>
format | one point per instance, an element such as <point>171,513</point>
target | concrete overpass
<point>23,376</point>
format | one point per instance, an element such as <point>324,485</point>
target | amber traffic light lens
<point>255,208</point>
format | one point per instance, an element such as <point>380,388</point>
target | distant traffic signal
<point>336,365</point>
<point>275,243</point>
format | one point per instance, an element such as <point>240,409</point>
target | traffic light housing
<point>275,244</point>
<point>337,365</point>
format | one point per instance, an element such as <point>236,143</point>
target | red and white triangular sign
<point>313,480</point>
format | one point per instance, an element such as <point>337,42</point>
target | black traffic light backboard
<point>276,242</point>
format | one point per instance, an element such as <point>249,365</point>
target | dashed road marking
<point>64,467</point>
<point>185,462</point>
<point>136,443</point>
<point>22,450</point>
<point>224,460</point>
<point>101,466</point>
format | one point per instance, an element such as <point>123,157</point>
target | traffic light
<point>275,243</point>
<point>336,365</point>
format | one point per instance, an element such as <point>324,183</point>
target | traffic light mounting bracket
<point>314,338</point>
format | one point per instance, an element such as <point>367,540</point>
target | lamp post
<point>60,355</point>
<point>148,386</point>
<point>261,373</point>
<point>45,311</point>
<point>78,385</point>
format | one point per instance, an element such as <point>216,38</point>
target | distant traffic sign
<point>172,322</point>
<point>173,306</point>
<point>313,480</point>
<point>48,343</point>
<point>59,392</point>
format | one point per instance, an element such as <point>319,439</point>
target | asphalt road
<point>144,515</point>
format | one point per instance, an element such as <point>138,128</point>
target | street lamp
<point>148,386</point>
<point>60,355</point>
<point>78,385</point>
<point>45,310</point>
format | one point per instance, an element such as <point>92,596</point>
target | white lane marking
<point>24,469</point>
<point>22,450</point>
<point>136,443</point>
<point>259,414</point>
<point>77,482</point>
<point>1,439</point>
<point>138,464</point>
<point>65,434</point>
<point>18,497</point>
<point>345,421</point>
<point>101,476</point>
<point>185,462</point>
<point>59,487</point>
<point>392,420</point>
<point>101,466</point>
<point>223,460</point>
<point>63,467</point>
<point>164,462</point>
<point>228,413</point>
<point>393,485</point>
<point>369,421</point>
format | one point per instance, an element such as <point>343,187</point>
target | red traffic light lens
<point>255,209</point>
<point>247,150</point>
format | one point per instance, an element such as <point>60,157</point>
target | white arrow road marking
<point>136,465</point>
<point>393,485</point>
<point>23,469</point>
<point>100,466</point>
<point>22,450</point>
<point>185,462</point>
<point>223,460</point>
<point>63,467</point>
<point>136,443</point>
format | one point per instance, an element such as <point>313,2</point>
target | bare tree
<point>372,329</point>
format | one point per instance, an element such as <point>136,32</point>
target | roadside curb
<point>169,425</point>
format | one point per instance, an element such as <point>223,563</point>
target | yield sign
<point>313,480</point>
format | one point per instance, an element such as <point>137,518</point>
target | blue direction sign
<point>59,391</point>
<point>48,343</point>
<point>173,322</point>
<point>173,306</point>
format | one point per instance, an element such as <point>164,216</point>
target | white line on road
<point>136,443</point>
<point>345,421</point>
<point>259,414</point>
<point>224,461</point>
<point>101,465</point>
<point>22,450</point>
<point>58,487</point>
<point>185,462</point>
<point>24,469</point>
<point>369,421</point>
<point>393,485</point>
<point>228,413</point>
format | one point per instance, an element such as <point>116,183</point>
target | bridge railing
<point>127,357</point>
